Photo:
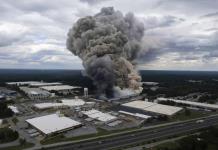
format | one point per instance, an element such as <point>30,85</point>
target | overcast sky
<point>184,32</point>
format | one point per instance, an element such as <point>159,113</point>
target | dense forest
<point>171,83</point>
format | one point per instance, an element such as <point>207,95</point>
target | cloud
<point>11,33</point>
<point>152,22</point>
<point>178,33</point>
<point>214,14</point>
<point>92,2</point>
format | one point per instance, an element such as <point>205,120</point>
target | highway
<point>115,141</point>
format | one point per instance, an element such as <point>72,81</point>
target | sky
<point>180,34</point>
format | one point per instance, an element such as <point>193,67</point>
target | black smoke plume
<point>108,44</point>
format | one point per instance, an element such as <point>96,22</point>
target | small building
<point>35,93</point>
<point>2,97</point>
<point>54,123</point>
<point>14,109</point>
<point>100,116</point>
<point>1,122</point>
<point>143,107</point>
<point>60,89</point>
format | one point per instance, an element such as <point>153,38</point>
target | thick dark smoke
<point>108,44</point>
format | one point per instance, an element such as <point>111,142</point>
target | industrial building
<point>14,109</point>
<point>100,116</point>
<point>25,83</point>
<point>35,93</point>
<point>193,104</point>
<point>54,123</point>
<point>7,92</point>
<point>60,89</point>
<point>42,106</point>
<point>40,84</point>
<point>33,83</point>
<point>64,103</point>
<point>2,97</point>
<point>143,107</point>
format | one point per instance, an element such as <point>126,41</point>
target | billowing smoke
<point>108,44</point>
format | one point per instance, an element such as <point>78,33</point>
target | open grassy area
<point>14,120</point>
<point>191,115</point>
<point>8,135</point>
<point>61,138</point>
<point>20,147</point>
<point>170,145</point>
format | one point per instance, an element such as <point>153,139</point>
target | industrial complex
<point>44,110</point>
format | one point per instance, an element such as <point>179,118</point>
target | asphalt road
<point>113,141</point>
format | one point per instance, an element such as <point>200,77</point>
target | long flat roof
<point>23,82</point>
<point>58,87</point>
<point>47,105</point>
<point>153,107</point>
<point>64,102</point>
<point>45,84</point>
<point>52,123</point>
<point>205,105</point>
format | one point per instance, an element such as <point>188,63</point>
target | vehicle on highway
<point>199,121</point>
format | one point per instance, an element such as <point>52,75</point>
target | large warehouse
<point>53,123</point>
<point>60,89</point>
<point>64,103</point>
<point>151,108</point>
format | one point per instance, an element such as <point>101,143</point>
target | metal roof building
<point>25,83</point>
<point>53,123</point>
<point>153,107</point>
<point>58,87</point>
<point>98,115</point>
<point>35,93</point>
<point>64,103</point>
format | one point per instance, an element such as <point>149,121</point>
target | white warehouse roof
<point>73,102</point>
<point>48,105</point>
<point>153,107</point>
<point>204,105</point>
<point>22,83</point>
<point>95,114</point>
<point>65,102</point>
<point>45,84</point>
<point>52,123</point>
<point>58,87</point>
